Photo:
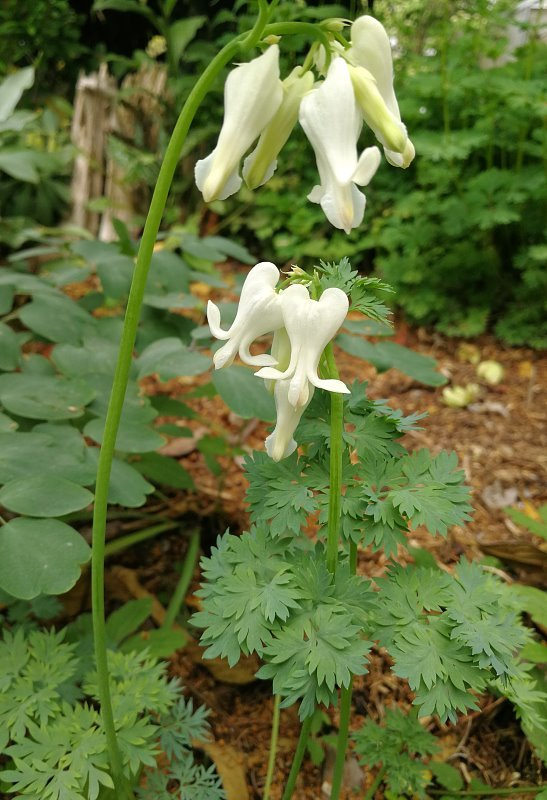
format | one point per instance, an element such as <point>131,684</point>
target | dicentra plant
<point>293,599</point>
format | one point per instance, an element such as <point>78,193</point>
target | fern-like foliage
<point>449,636</point>
<point>398,746</point>
<point>262,595</point>
<point>52,735</point>
<point>361,290</point>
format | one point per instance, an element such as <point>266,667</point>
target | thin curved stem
<point>295,28</point>
<point>298,756</point>
<point>371,791</point>
<point>179,594</point>
<point>273,747</point>
<point>119,386</point>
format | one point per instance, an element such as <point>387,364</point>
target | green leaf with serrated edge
<point>170,358</point>
<point>9,349</point>
<point>44,397</point>
<point>44,496</point>
<point>57,318</point>
<point>127,619</point>
<point>40,557</point>
<point>278,493</point>
<point>164,470</point>
<point>244,394</point>
<point>398,745</point>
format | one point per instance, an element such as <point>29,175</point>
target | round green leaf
<point>56,317</point>
<point>133,437</point>
<point>7,424</point>
<point>127,486</point>
<point>44,396</point>
<point>44,496</point>
<point>40,557</point>
<point>169,358</point>
<point>9,348</point>
<point>244,394</point>
<point>96,356</point>
<point>56,450</point>
<point>164,470</point>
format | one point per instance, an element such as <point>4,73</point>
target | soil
<point>501,443</point>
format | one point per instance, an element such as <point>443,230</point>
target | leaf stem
<point>123,542</point>
<point>187,571</point>
<point>371,791</point>
<point>119,386</point>
<point>342,741</point>
<point>336,448</point>
<point>491,791</point>
<point>273,747</point>
<point>298,756</point>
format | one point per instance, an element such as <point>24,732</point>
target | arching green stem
<point>121,375</point>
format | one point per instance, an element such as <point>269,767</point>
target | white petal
<point>252,95</point>
<point>368,164</point>
<point>371,48</point>
<point>259,312</point>
<point>331,121</point>
<point>280,443</point>
<point>344,206</point>
<point>310,326</point>
<point>213,318</point>
<point>260,165</point>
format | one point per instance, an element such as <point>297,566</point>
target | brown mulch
<point>501,443</point>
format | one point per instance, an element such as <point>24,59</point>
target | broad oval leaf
<point>9,349</point>
<point>44,397</point>
<point>44,496</point>
<point>40,557</point>
<point>244,394</point>
<point>169,358</point>
<point>57,318</point>
<point>133,437</point>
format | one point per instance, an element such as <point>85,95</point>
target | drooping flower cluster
<point>259,107</point>
<point>302,328</point>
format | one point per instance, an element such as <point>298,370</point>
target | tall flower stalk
<point>309,321</point>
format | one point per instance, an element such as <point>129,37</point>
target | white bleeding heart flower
<point>259,312</point>
<point>252,95</point>
<point>332,123</point>
<point>310,326</point>
<point>261,164</point>
<point>371,50</point>
<point>281,443</point>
